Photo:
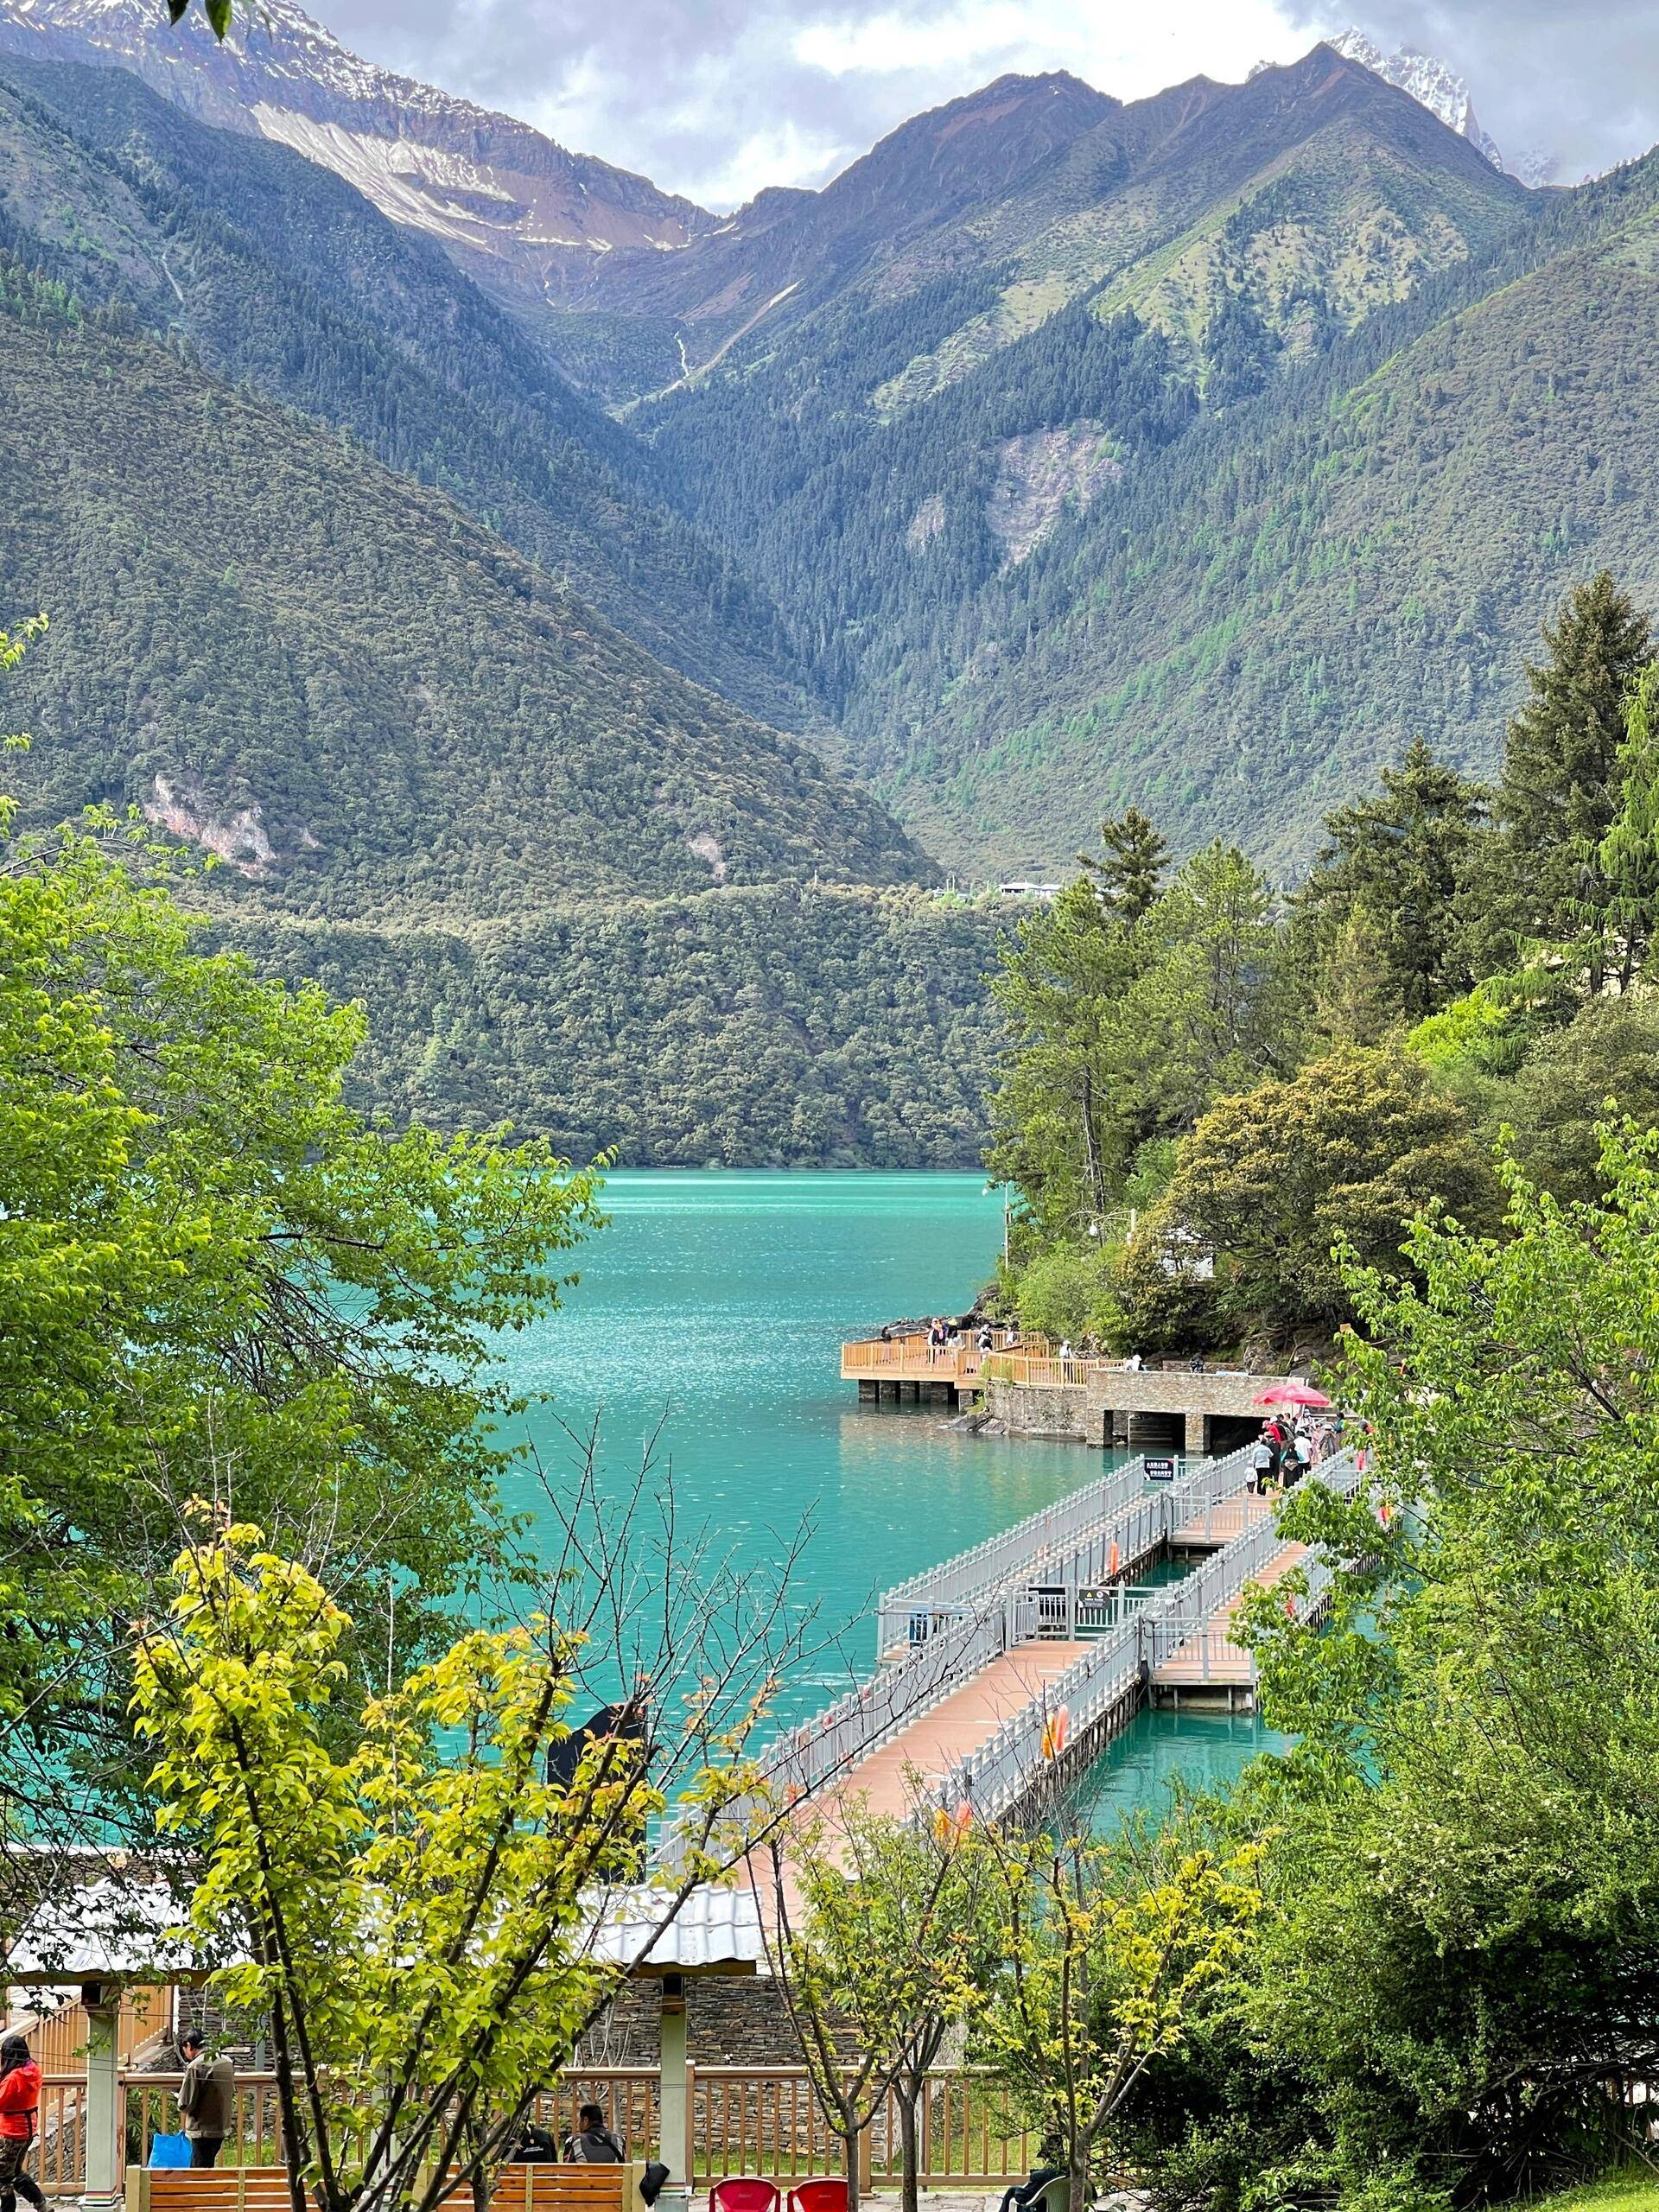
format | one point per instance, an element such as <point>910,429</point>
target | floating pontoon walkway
<point>1005,1670</point>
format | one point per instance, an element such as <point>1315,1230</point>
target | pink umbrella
<point>1292,1394</point>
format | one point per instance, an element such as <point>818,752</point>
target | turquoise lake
<point>710,1314</point>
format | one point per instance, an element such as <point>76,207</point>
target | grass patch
<point>1636,2190</point>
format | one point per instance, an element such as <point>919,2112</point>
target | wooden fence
<point>745,2120</point>
<point>57,2039</point>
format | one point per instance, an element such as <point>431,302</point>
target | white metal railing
<point>865,1716</point>
<point>949,1644</point>
<point>1068,1541</point>
<point>968,1579</point>
<point>999,1772</point>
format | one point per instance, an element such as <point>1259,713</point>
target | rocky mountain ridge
<point>1437,87</point>
<point>518,210</point>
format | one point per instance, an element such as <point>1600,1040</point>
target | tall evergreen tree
<point>1559,793</point>
<point>1130,875</point>
<point>1391,879</point>
<point>1629,852</point>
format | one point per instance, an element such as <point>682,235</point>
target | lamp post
<point>1007,1212</point>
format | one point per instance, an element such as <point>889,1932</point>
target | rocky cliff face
<point>1443,92</point>
<point>518,212</point>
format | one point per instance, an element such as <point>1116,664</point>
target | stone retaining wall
<point>1049,1409</point>
<point>730,2020</point>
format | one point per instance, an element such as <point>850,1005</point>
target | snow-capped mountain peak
<point>1439,88</point>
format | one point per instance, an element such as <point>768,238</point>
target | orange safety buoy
<point>1112,1562</point>
<point>1290,1609</point>
<point>1385,1512</point>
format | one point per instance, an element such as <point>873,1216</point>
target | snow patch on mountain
<point>1432,84</point>
<point>505,200</point>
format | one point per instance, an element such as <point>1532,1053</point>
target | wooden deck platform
<point>956,1728</point>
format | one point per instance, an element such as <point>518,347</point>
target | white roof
<point>714,1931</point>
<point>114,1930</point>
<point>105,1930</point>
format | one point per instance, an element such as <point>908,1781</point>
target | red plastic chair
<point>819,2196</point>
<point>744,2193</point>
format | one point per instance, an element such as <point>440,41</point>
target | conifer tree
<point>1390,881</point>
<point>1559,794</point>
<point>1130,876</point>
<point>1629,852</point>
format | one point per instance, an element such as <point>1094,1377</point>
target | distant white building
<point>1022,890</point>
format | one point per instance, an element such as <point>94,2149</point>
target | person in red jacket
<point>20,2106</point>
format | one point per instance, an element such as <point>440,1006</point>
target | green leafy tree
<point>1346,1152</point>
<point>1390,883</point>
<point>420,1917</point>
<point>1605,1063</point>
<point>216,1278</point>
<point>1104,1966</point>
<point>881,1942</point>
<point>1466,1956</point>
<point>1128,871</point>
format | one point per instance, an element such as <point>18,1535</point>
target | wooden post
<point>865,2184</point>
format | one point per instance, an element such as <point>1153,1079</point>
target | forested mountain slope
<point>282,277</point>
<point>368,699</point>
<point>1271,610</point>
<point>903,434</point>
<point>575,889</point>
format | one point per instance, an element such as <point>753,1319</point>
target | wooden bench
<point>210,2189</point>
<point>264,2188</point>
<point>568,2189</point>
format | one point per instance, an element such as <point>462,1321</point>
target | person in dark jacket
<point>20,2108</point>
<point>1050,2166</point>
<point>593,2144</point>
<point>206,2098</point>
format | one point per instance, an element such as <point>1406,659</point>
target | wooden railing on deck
<point>745,2120</point>
<point>1025,1369</point>
<point>57,2040</point>
<point>914,1359</point>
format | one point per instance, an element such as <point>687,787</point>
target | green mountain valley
<point>1062,454</point>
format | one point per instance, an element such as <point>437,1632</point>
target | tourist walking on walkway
<point>20,2106</point>
<point>206,2098</point>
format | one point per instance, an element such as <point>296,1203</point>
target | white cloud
<point>783,153</point>
<point>1126,51</point>
<point>716,98</point>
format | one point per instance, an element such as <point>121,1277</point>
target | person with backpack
<point>20,2110</point>
<point>593,2144</point>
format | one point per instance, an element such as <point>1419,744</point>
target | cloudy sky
<point>717,98</point>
